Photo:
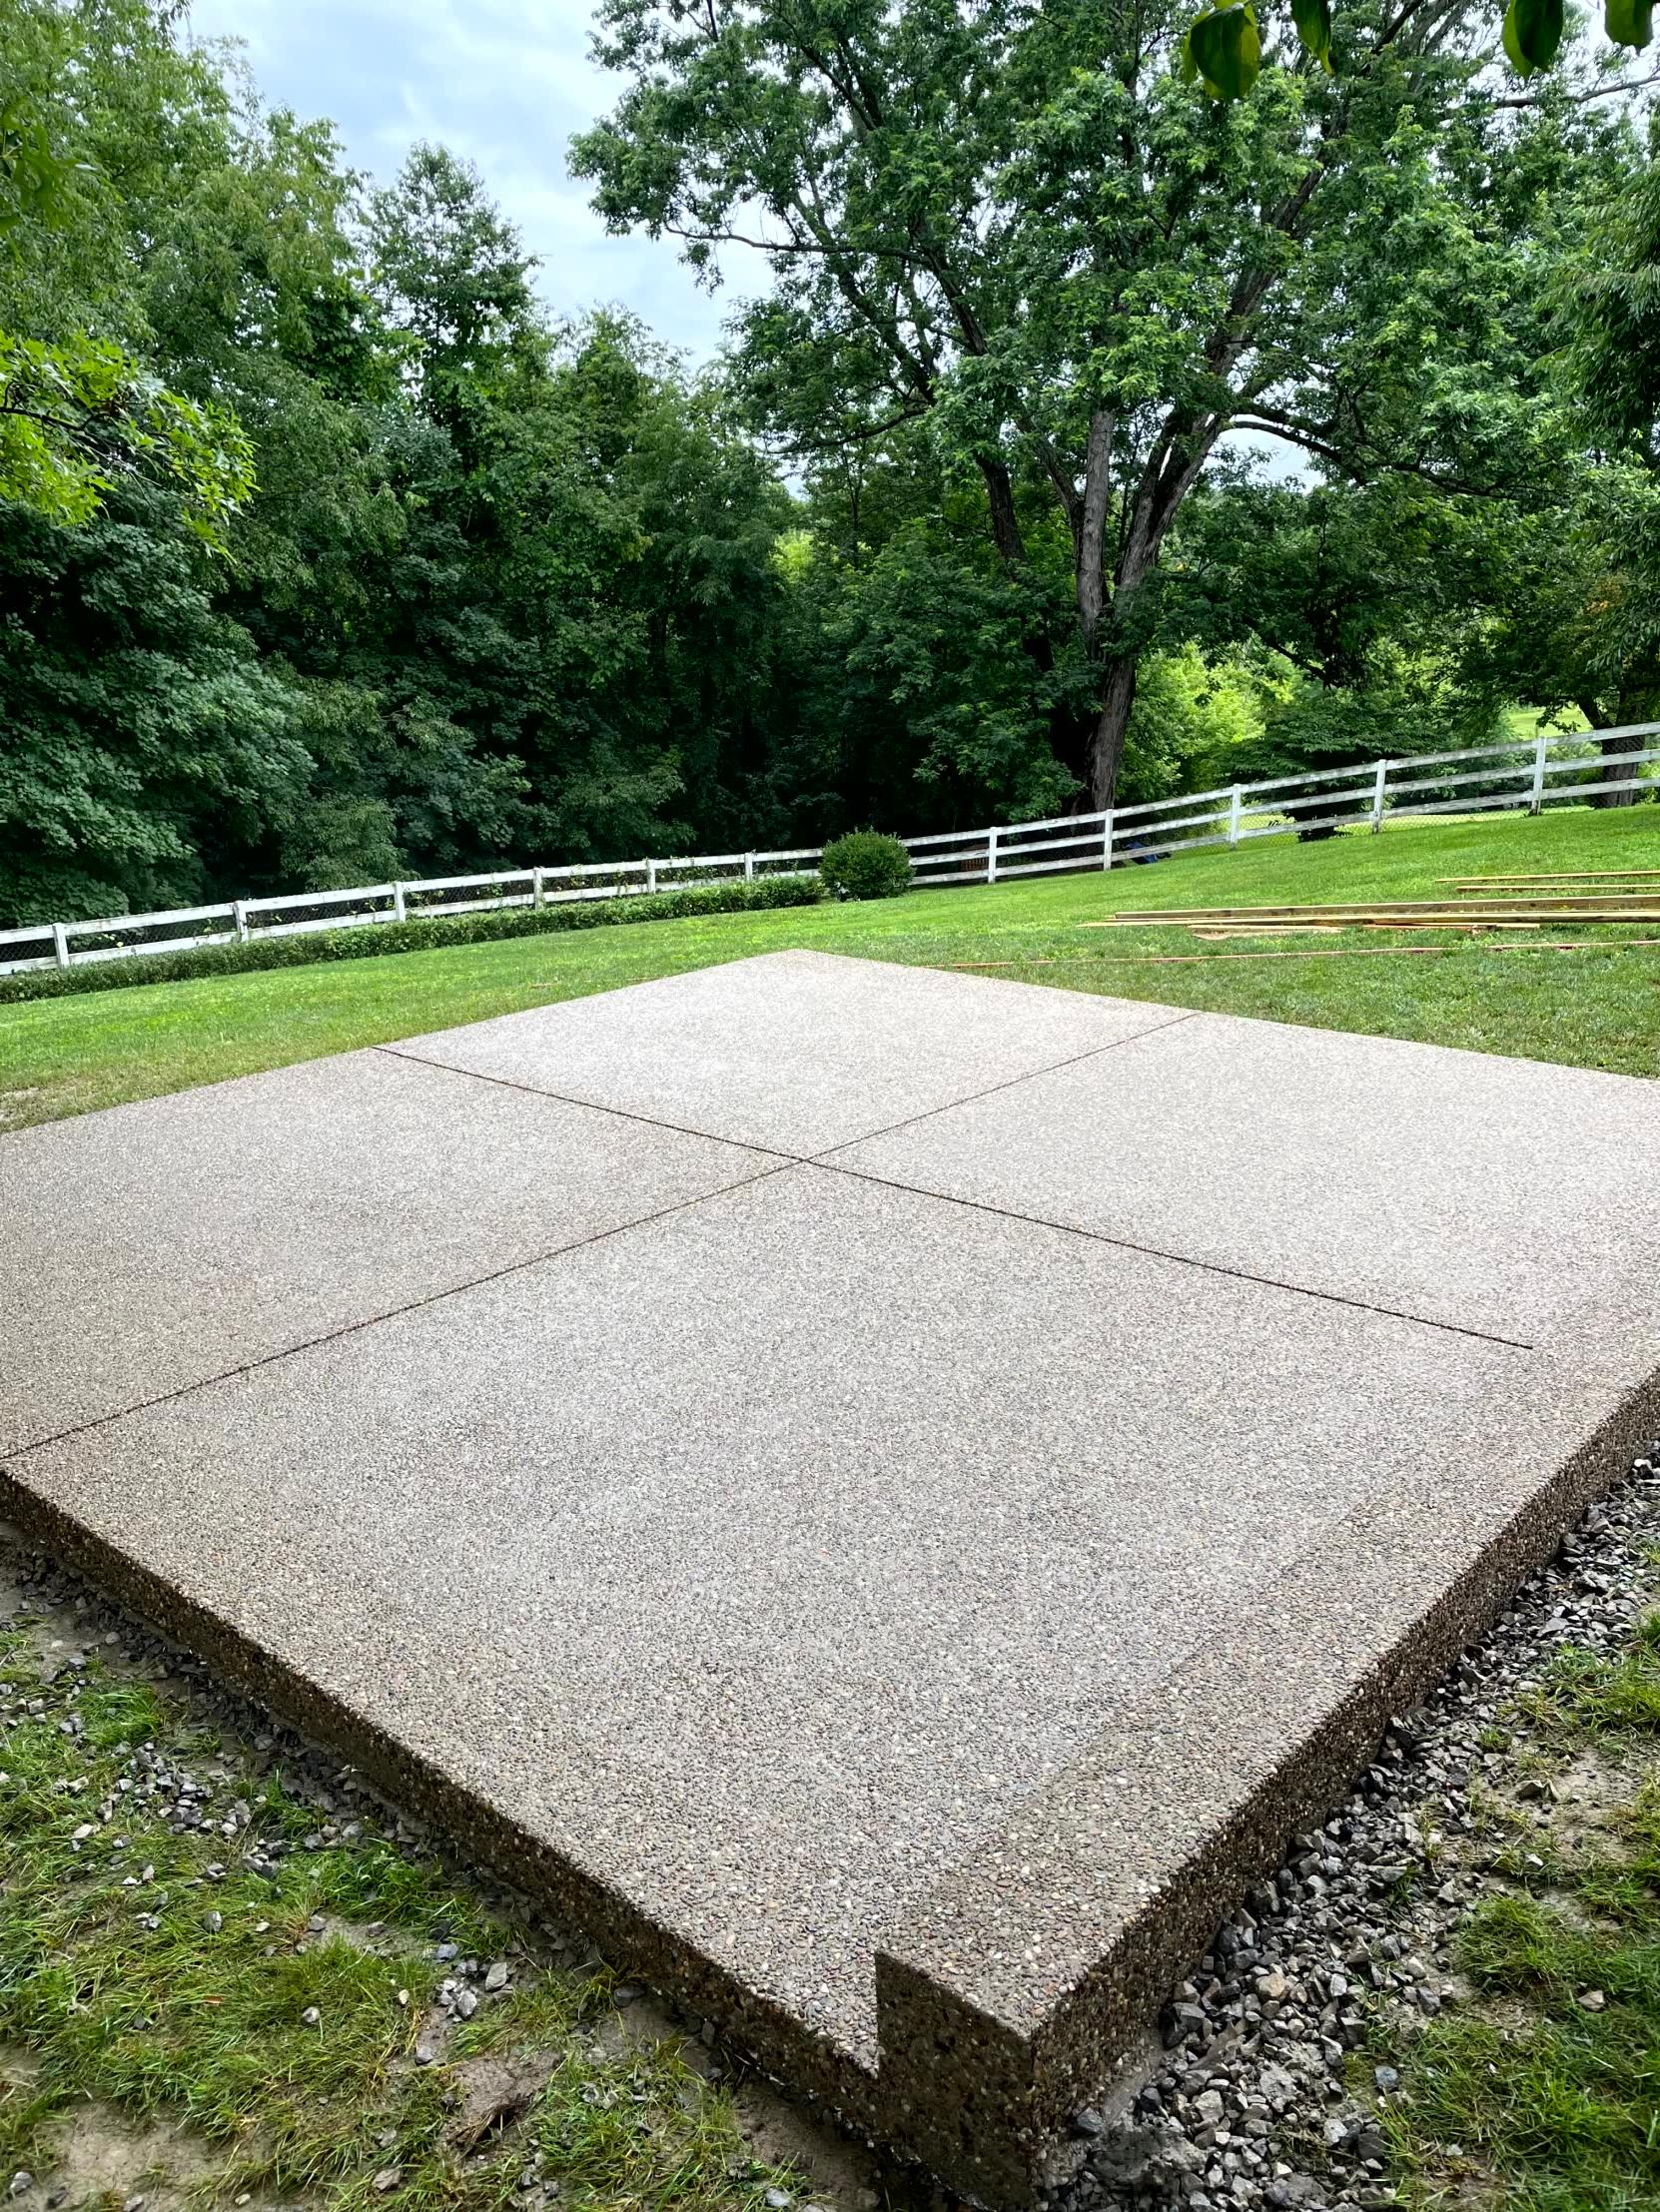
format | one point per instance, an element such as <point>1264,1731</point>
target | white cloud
<point>504,83</point>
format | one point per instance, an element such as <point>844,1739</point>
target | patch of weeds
<point>531,2016</point>
<point>638,2128</point>
<point>373,1880</point>
<point>1530,1857</point>
<point>1557,2091</point>
<point>185,1941</point>
<point>24,2109</point>
<point>1547,2091</point>
<point>1626,1889</point>
<point>123,1713</point>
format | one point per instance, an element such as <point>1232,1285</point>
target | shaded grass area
<point>186,1940</point>
<point>1545,2094</point>
<point>1596,1006</point>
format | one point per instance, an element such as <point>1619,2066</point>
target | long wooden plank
<point>1580,875</point>
<point>1279,925</point>
<point>1579,902</point>
<point>1314,952</point>
<point>1588,888</point>
<point>1282,926</point>
<point>1568,909</point>
<point>1333,929</point>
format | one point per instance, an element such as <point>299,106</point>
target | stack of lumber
<point>1470,910</point>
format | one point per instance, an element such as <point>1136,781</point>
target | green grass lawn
<point>1597,1006</point>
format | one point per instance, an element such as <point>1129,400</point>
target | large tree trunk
<point>1629,790</point>
<point>1118,696</point>
<point>1168,476</point>
<point>1632,704</point>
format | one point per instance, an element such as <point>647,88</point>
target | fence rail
<point>1533,774</point>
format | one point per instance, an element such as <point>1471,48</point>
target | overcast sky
<point>503,82</point>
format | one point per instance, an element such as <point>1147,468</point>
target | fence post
<point>1379,779</point>
<point>1537,797</point>
<point>60,944</point>
<point>239,907</point>
<point>650,877</point>
<point>1234,814</point>
<point>538,889</point>
<point>1106,839</point>
<point>749,867</point>
<point>990,855</point>
<point>400,911</point>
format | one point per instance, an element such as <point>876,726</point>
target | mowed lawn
<point>1596,1004</point>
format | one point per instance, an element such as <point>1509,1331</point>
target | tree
<point>144,749</point>
<point>1373,603</point>
<point>76,418</point>
<point>1017,226</point>
<point>1611,303</point>
<point>446,270</point>
<point>1571,619</point>
<point>78,412</point>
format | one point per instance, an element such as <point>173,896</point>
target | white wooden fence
<point>1531,774</point>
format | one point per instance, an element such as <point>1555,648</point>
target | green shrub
<point>866,864</point>
<point>408,937</point>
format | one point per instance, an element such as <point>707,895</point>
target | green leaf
<point>1630,22</point>
<point>1190,68</point>
<point>1225,51</point>
<point>1532,33</point>
<point>1313,26</point>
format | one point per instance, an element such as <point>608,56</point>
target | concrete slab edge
<point>983,2093</point>
<point>768,2032</point>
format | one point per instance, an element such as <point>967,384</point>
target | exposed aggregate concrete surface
<point>844,1400</point>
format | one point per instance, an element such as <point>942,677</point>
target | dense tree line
<point>327,553</point>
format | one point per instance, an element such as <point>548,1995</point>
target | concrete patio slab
<point>792,1050</point>
<point>1489,1194</point>
<point>897,1622</point>
<point>795,1535</point>
<point>159,1244</point>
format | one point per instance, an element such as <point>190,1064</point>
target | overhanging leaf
<point>1313,26</point>
<point>1225,51</point>
<point>1630,22</point>
<point>1532,33</point>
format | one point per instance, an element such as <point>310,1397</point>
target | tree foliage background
<point>328,553</point>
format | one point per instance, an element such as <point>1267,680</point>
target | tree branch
<point>864,433</point>
<point>792,245</point>
<point>79,432</point>
<point>1582,99</point>
<point>1359,467</point>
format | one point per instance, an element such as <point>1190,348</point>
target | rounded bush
<point>866,864</point>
